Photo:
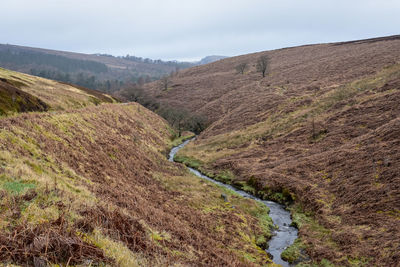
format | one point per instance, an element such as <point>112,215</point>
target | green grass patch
<point>323,263</point>
<point>179,140</point>
<point>301,218</point>
<point>249,257</point>
<point>295,252</point>
<point>16,83</point>
<point>243,185</point>
<point>36,168</point>
<point>95,100</point>
<point>112,156</point>
<point>225,176</point>
<point>118,251</point>
<point>191,162</point>
<point>17,187</point>
<point>260,211</point>
<point>284,197</point>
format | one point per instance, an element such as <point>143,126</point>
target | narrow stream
<point>283,237</point>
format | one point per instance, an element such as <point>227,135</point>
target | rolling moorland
<point>85,181</point>
<point>102,72</point>
<point>319,133</point>
<point>23,59</point>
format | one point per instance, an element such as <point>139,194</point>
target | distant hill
<point>320,133</point>
<point>210,59</point>
<point>100,71</point>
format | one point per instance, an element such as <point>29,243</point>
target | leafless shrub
<point>165,82</point>
<point>241,68</point>
<point>262,65</point>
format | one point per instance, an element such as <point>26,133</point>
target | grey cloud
<point>182,29</point>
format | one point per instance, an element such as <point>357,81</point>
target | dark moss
<point>14,100</point>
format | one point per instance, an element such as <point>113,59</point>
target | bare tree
<point>177,118</point>
<point>262,65</point>
<point>140,81</point>
<point>165,82</point>
<point>241,68</point>
<point>197,123</point>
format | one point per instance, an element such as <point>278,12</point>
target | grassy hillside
<point>319,132</point>
<point>14,100</point>
<point>21,92</point>
<point>220,92</point>
<point>92,186</point>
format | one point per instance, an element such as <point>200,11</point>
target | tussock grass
<point>59,96</point>
<point>116,250</point>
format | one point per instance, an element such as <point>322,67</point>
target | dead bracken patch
<point>119,226</point>
<point>47,243</point>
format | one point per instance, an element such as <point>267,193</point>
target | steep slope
<point>93,186</point>
<point>321,131</point>
<point>22,92</point>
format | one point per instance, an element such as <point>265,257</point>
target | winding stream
<point>283,237</point>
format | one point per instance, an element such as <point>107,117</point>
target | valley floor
<point>94,186</point>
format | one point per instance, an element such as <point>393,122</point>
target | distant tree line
<point>170,63</point>
<point>87,73</point>
<point>60,63</point>
<point>90,81</point>
<point>173,63</point>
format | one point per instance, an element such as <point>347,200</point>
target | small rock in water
<point>224,197</point>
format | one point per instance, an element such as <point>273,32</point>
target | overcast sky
<point>191,29</point>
